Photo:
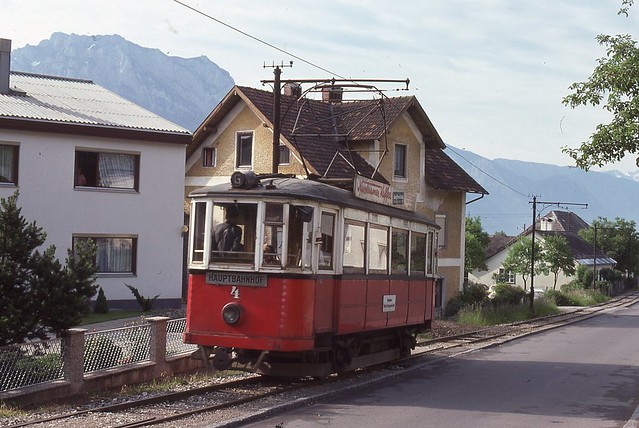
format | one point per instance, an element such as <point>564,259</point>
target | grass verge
<point>93,318</point>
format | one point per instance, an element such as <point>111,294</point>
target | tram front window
<point>233,233</point>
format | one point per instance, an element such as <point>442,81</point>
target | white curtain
<point>117,170</point>
<point>6,164</point>
<point>115,254</point>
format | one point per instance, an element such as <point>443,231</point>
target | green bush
<point>558,297</point>
<point>39,369</point>
<point>474,294</point>
<point>100,353</point>
<point>101,305</point>
<point>505,294</point>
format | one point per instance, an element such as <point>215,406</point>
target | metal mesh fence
<point>30,364</point>
<point>37,362</point>
<point>110,348</point>
<point>174,343</point>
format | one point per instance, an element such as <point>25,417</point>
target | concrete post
<point>73,357</point>
<point>157,345</point>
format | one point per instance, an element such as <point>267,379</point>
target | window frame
<point>285,152</point>
<point>209,157</point>
<point>240,150</point>
<point>79,173</point>
<point>15,148</point>
<point>134,252</point>
<point>400,155</point>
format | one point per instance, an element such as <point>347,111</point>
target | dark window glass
<point>244,149</point>
<point>285,155</point>
<point>8,164</point>
<point>400,161</point>
<point>208,156</point>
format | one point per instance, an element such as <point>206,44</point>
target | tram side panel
<point>350,304</point>
<point>397,309</point>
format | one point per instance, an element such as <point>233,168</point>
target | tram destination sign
<point>238,279</point>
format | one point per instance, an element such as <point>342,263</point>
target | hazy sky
<point>490,74</point>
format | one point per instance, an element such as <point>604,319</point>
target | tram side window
<point>417,253</point>
<point>327,229</point>
<point>273,230</point>
<point>354,247</point>
<point>199,213</point>
<point>297,217</point>
<point>430,261</point>
<point>378,249</point>
<point>399,251</point>
<point>233,233</point>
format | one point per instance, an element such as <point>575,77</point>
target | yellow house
<point>390,140</point>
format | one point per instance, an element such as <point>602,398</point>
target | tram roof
<point>295,188</point>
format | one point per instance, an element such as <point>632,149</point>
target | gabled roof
<point>444,174</point>
<point>565,224</point>
<point>321,131</point>
<point>563,221</point>
<point>57,104</point>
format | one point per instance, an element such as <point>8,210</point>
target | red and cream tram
<point>295,277</point>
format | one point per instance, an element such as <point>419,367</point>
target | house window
<point>209,156</point>
<point>244,149</point>
<point>8,164</point>
<point>285,155</point>
<point>506,276</point>
<point>399,170</point>
<point>440,219</point>
<point>107,170</point>
<point>114,254</point>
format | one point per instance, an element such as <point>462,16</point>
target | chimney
<point>5,65</point>
<point>332,94</point>
<point>293,89</point>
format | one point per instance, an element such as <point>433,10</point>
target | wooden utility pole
<point>532,251</point>
<point>277,97</point>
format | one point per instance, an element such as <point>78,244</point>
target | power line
<point>257,39</point>
<point>484,172</point>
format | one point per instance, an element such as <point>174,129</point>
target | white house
<point>91,165</point>
<point>560,223</point>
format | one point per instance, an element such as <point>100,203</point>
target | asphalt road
<point>581,375</point>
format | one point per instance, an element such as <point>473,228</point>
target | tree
<point>615,79</point>
<point>618,239</point>
<point>38,295</point>
<point>558,257</point>
<point>519,259</point>
<point>477,241</point>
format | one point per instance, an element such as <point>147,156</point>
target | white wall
<point>155,214</point>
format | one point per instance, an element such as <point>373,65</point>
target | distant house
<point>556,223</point>
<point>391,140</point>
<point>91,165</point>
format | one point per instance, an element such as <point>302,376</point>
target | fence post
<point>73,357</point>
<point>157,345</point>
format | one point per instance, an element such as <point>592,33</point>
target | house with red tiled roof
<point>390,140</point>
<point>555,223</point>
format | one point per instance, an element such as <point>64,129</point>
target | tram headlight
<point>231,313</point>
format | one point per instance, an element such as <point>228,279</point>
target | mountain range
<point>185,91</point>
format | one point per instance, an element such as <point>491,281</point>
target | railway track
<point>173,408</point>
